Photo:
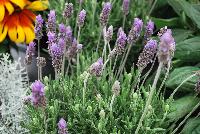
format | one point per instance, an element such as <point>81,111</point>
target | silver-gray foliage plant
<point>13,89</point>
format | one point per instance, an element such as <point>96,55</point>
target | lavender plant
<point>102,98</point>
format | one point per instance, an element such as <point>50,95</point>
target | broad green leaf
<point>181,34</point>
<point>179,75</point>
<point>190,11</point>
<point>192,126</point>
<point>165,22</point>
<point>181,107</point>
<point>188,50</point>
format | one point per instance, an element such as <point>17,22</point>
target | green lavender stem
<point>124,61</point>
<point>150,97</point>
<point>38,59</point>
<point>124,20</point>
<point>85,86</point>
<point>165,78</point>
<point>78,38</point>
<point>79,9</point>
<point>190,77</point>
<point>99,39</point>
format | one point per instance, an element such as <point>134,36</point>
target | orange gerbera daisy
<point>19,25</point>
<point>9,6</point>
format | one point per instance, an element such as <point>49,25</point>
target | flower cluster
<point>81,18</point>
<point>38,27</point>
<point>126,6</point>
<point>62,127</point>
<point>109,33</point>
<point>96,68</point>
<point>166,47</point>
<point>51,23</point>
<point>30,52</point>
<point>135,31</point>
<point>74,49</point>
<point>68,11</point>
<point>148,30</point>
<point>147,54</point>
<point>17,17</point>
<point>105,14</point>
<point>38,96</point>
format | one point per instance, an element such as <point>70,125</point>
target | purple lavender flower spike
<point>51,23</point>
<point>38,97</point>
<point>68,11</point>
<point>126,6</point>
<point>166,47</point>
<point>51,37</point>
<point>56,53</point>
<point>148,30</point>
<point>61,43</point>
<point>96,68</point>
<point>135,31</point>
<point>81,18</point>
<point>147,54</point>
<point>74,49</point>
<point>38,27</point>
<point>121,42</point>
<point>109,33</point>
<point>62,127</point>
<point>69,35</point>
<point>30,52</point>
<point>105,14</point>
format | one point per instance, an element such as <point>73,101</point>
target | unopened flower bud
<point>116,88</point>
<point>166,107</point>
<point>102,114</point>
<point>135,96</point>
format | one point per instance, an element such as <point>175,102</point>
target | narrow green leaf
<point>192,126</point>
<point>179,75</point>
<point>190,11</point>
<point>188,50</point>
<point>165,22</point>
<point>181,107</point>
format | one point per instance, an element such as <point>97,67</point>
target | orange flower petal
<point>20,3</point>
<point>29,33</point>
<point>38,5</point>
<point>21,34</point>
<point>2,14</point>
<point>3,32</point>
<point>12,33</point>
<point>9,7</point>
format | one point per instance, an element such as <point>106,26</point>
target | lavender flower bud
<point>96,68</point>
<point>38,27</point>
<point>38,97</point>
<point>147,54</point>
<point>81,18</point>
<point>56,54</point>
<point>166,47</point>
<point>73,49</point>
<point>135,31</point>
<point>30,52</point>
<point>62,31</point>
<point>68,11</point>
<point>51,23</point>
<point>105,14</point>
<point>51,37</point>
<point>41,61</point>
<point>148,30</point>
<point>121,41</point>
<point>62,127</point>
<point>116,88</point>
<point>109,33</point>
<point>126,6</point>
<point>69,35</point>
